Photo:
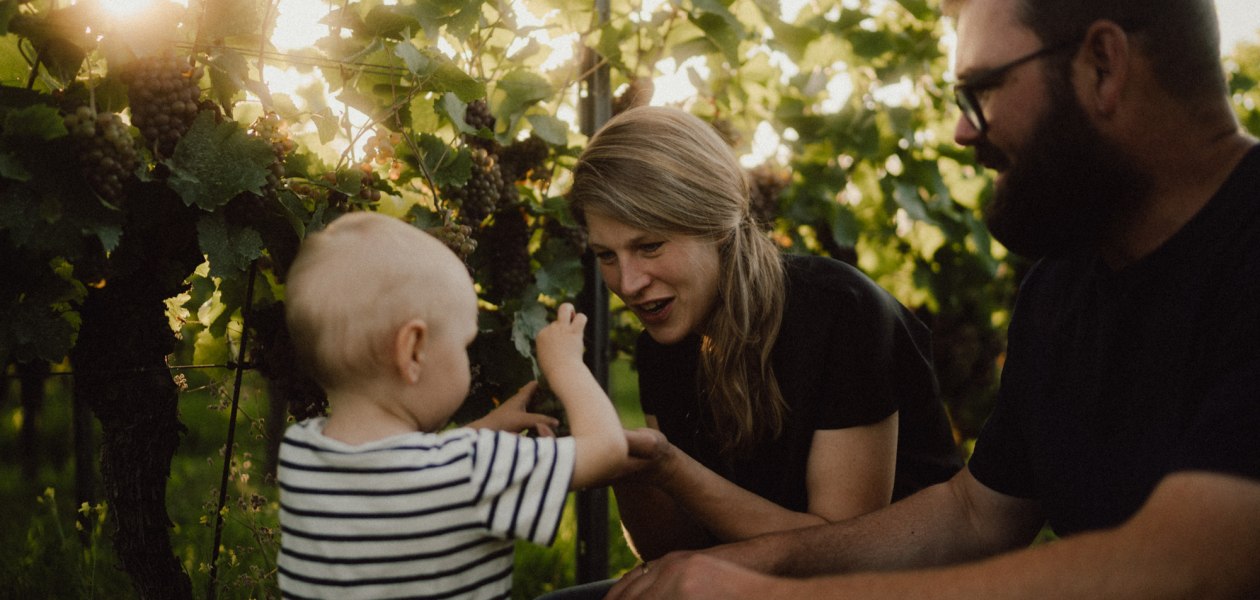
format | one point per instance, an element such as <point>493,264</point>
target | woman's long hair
<point>665,170</point>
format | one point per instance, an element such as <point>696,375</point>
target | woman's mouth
<point>655,310</point>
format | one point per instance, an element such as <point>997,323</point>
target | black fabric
<point>1115,379</point>
<point>848,354</point>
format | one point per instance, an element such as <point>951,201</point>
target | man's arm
<point>1198,536</point>
<point>950,522</point>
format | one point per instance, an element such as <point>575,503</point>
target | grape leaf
<point>213,163</point>
<point>526,324</point>
<point>550,129</point>
<point>230,248</point>
<point>11,168</point>
<point>38,121</point>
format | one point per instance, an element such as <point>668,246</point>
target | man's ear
<point>1102,67</point>
<point>411,344</point>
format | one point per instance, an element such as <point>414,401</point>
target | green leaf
<point>8,8</point>
<point>230,248</point>
<point>522,89</point>
<point>11,168</point>
<point>230,18</point>
<point>562,276</point>
<point>39,121</point>
<point>448,77</point>
<point>453,107</point>
<point>389,22</point>
<point>228,73</point>
<point>213,163</point>
<point>416,61</point>
<point>526,324</point>
<point>550,129</point>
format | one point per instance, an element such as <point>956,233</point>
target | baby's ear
<point>410,346</point>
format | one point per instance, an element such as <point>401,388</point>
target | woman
<point>792,390</point>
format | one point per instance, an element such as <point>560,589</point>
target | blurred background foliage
<point>461,117</point>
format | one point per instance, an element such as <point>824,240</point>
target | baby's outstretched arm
<point>600,443</point>
<point>513,415</point>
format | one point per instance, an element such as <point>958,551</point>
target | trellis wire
<point>231,435</point>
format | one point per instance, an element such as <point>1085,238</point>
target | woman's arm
<point>654,524</point>
<point>850,472</point>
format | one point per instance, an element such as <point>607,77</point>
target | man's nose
<point>965,134</point>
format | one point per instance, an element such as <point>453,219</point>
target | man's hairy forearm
<point>934,527</point>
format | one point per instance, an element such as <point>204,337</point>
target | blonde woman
<point>792,390</point>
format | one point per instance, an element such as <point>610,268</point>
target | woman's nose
<point>633,278</point>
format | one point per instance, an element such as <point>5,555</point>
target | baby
<point>378,499</point>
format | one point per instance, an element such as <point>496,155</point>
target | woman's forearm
<point>730,512</point>
<point>654,524</point>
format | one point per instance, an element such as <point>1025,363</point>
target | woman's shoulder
<point>824,278</point>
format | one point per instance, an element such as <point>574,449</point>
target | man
<point>1129,413</point>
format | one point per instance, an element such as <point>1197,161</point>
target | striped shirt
<point>421,515</point>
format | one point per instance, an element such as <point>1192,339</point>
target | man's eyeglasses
<point>967,93</point>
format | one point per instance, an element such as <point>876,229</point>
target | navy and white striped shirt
<point>421,515</point>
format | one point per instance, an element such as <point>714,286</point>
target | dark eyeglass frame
<point>967,93</point>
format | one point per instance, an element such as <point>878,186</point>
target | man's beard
<point>1070,188</point>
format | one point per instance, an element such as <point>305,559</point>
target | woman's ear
<point>410,347</point>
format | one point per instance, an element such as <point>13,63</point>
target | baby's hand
<point>514,416</point>
<point>559,344</point>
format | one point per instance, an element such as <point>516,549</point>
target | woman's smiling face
<point>669,281</point>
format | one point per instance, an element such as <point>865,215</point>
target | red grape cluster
<point>106,152</point>
<point>164,91</point>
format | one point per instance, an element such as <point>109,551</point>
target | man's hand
<point>692,575</point>
<point>513,415</point>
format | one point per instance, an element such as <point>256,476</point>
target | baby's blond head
<point>354,284</point>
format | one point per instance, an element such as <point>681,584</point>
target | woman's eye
<point>605,257</point>
<point>653,247</point>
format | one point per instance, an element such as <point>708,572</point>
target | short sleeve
<point>1224,436</point>
<point>1000,459</point>
<point>522,483</point>
<point>877,355</point>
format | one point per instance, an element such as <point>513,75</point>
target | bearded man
<point>1128,418</point>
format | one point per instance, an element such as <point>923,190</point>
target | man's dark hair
<point>1181,37</point>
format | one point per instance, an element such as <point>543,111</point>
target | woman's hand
<point>650,454</point>
<point>513,415</point>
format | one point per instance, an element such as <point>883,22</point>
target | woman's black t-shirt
<point>848,354</point>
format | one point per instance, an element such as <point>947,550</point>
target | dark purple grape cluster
<point>765,184</point>
<point>524,159</point>
<point>507,239</point>
<point>456,237</point>
<point>575,237</point>
<point>105,150</point>
<point>478,116</point>
<point>272,129</point>
<point>479,196</point>
<point>164,91</point>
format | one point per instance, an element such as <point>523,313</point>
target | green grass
<point>42,555</point>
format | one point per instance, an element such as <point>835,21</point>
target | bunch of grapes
<point>368,192</point>
<point>575,237</point>
<point>524,159</point>
<point>479,196</point>
<point>507,240</point>
<point>765,184</point>
<point>456,237</point>
<point>272,129</point>
<point>106,153</point>
<point>379,150</point>
<point>164,91</point>
<point>478,116</point>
